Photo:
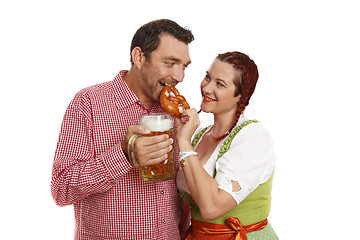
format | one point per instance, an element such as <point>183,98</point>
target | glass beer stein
<point>159,123</point>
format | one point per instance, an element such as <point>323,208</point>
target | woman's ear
<point>138,57</point>
<point>238,98</point>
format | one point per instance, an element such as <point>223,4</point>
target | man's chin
<point>157,97</point>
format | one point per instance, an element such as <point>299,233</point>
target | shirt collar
<point>120,88</point>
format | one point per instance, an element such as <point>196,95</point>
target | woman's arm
<point>212,201</point>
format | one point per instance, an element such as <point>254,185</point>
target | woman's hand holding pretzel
<point>185,130</point>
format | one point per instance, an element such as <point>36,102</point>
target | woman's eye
<point>220,84</point>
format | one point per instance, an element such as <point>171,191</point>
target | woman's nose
<point>207,87</point>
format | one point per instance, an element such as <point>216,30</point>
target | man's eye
<point>207,77</point>
<point>169,64</point>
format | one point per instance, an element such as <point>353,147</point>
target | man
<point>91,168</point>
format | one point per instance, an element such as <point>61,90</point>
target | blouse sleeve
<point>250,161</point>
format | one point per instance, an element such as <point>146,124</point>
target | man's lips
<point>207,99</point>
<point>166,84</point>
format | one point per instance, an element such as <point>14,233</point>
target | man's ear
<point>138,57</point>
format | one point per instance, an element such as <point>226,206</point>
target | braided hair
<point>245,81</point>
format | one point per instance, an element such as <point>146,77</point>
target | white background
<point>307,53</point>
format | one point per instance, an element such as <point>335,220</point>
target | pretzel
<point>172,103</point>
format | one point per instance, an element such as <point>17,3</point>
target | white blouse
<point>250,161</point>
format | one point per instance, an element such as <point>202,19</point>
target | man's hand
<point>147,150</point>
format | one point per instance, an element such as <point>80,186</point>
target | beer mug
<point>159,123</point>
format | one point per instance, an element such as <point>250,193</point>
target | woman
<point>228,167</point>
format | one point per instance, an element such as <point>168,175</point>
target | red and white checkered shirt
<point>91,171</point>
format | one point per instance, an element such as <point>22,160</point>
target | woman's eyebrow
<point>217,79</point>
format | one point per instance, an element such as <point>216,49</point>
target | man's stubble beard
<point>150,89</point>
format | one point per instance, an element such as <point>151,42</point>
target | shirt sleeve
<point>250,161</point>
<point>77,172</point>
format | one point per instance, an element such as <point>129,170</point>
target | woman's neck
<point>222,123</point>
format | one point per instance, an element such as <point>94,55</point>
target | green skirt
<point>267,233</point>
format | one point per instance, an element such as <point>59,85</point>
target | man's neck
<point>131,80</point>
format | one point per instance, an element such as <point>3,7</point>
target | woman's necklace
<point>219,137</point>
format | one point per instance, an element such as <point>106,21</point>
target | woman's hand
<point>187,125</point>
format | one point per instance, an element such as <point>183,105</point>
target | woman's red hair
<point>245,80</point>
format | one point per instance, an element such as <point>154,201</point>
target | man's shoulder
<point>95,90</point>
<point>100,87</point>
<point>105,87</point>
<point>93,93</point>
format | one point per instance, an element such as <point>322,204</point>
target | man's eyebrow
<point>187,64</point>
<point>172,59</point>
<point>177,60</point>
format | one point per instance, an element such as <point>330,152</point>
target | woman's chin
<point>204,109</point>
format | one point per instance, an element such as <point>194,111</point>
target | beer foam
<point>156,125</point>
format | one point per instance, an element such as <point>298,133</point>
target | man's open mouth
<point>167,84</point>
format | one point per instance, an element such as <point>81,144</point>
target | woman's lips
<point>207,99</point>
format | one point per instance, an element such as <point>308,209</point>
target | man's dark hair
<point>147,36</point>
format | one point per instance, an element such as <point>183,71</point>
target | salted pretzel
<point>172,103</point>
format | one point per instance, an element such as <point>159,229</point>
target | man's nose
<point>178,74</point>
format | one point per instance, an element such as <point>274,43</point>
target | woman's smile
<point>207,99</point>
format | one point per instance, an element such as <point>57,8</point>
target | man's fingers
<point>154,161</point>
<point>149,150</point>
<point>154,141</point>
<point>146,150</point>
<point>132,130</point>
<point>137,129</point>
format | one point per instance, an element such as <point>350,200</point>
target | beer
<point>159,123</point>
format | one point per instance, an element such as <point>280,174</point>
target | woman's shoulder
<point>250,131</point>
<point>250,125</point>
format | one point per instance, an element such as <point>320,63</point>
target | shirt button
<point>163,220</point>
<point>162,192</point>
